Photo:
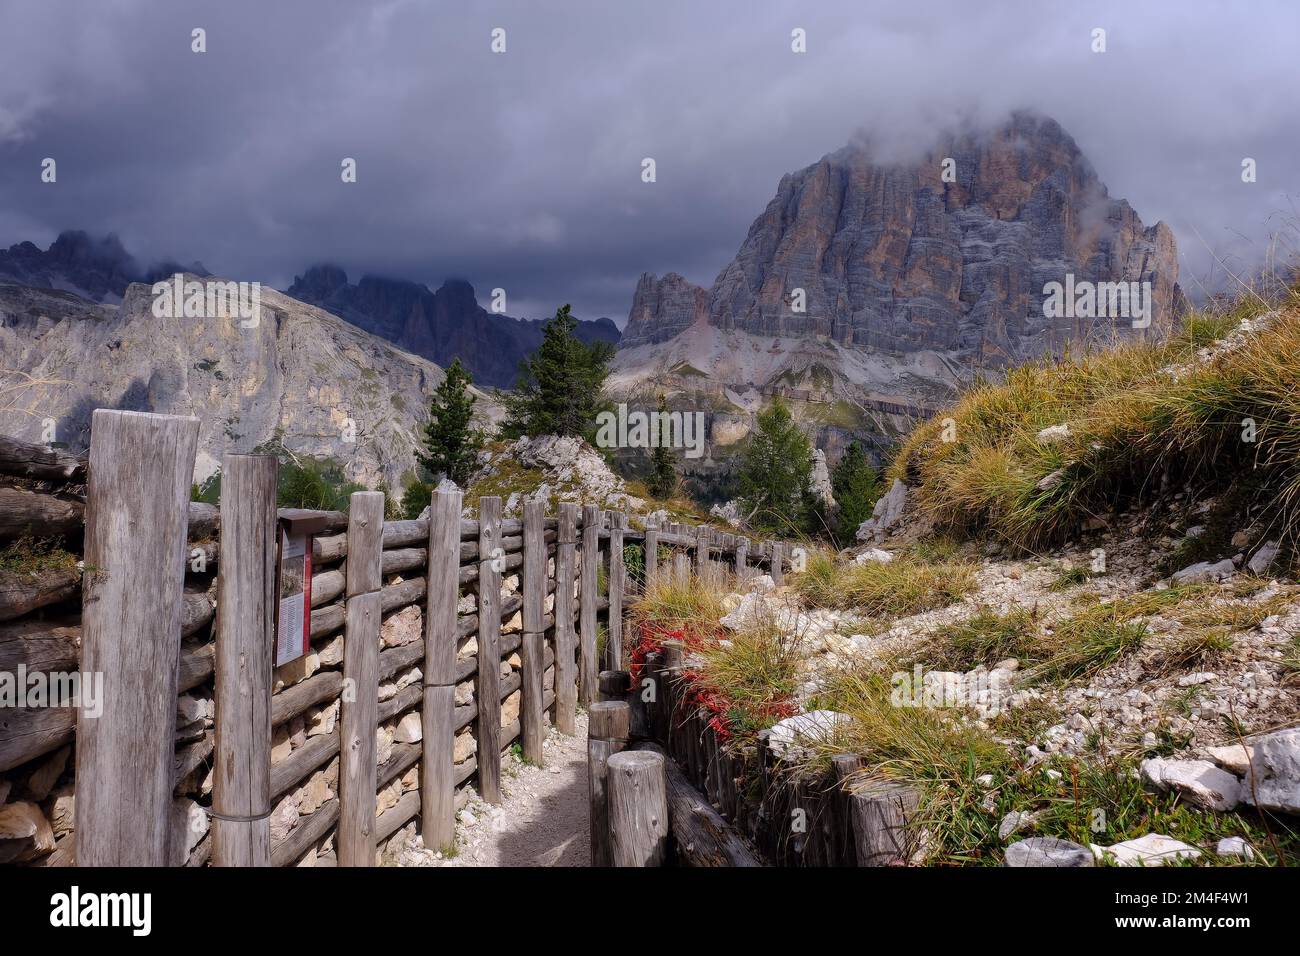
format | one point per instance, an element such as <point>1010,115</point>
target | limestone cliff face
<point>302,377</point>
<point>892,259</point>
<point>662,308</point>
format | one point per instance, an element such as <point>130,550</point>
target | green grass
<point>27,555</point>
<point>903,586</point>
<point>986,637</point>
<point>1196,650</point>
<point>1096,800</point>
<point>1070,577</point>
<point>756,671</point>
<point>1097,633</point>
<point>680,605</point>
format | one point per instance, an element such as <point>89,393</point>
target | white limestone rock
<point>874,555</point>
<point>1199,782</point>
<point>1205,572</point>
<point>1154,849</point>
<point>1277,772</point>
<point>886,514</point>
<point>1047,851</point>
<point>1263,559</point>
<point>816,725</point>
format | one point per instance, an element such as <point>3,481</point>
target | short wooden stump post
<point>607,729</point>
<point>638,809</point>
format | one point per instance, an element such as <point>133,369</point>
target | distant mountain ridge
<point>441,325</point>
<point>95,269</point>
<point>299,378</point>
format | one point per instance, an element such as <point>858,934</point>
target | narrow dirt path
<point>541,821</point>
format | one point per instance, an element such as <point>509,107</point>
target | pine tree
<point>417,496</point>
<point>663,473</point>
<point>451,443</point>
<point>856,487</point>
<point>561,387</point>
<point>776,471</point>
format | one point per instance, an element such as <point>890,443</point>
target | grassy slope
<point>1135,430</point>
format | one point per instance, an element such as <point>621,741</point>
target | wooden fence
<point>435,645</point>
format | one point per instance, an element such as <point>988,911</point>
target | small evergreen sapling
<point>451,442</point>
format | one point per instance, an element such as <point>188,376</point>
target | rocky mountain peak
<point>96,268</point>
<point>948,253</point>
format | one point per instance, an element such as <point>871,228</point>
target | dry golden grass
<point>904,586</point>
<point>980,465</point>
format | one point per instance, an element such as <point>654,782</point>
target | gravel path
<point>542,819</point>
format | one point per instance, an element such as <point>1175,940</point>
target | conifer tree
<point>856,487</point>
<point>663,472</point>
<point>561,387</point>
<point>451,442</point>
<point>776,472</point>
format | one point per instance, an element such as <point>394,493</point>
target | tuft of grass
<point>1142,415</point>
<point>1196,649</point>
<point>1070,577</point>
<point>1097,636</point>
<point>986,637</point>
<point>903,586</point>
<point>755,671</point>
<point>674,605</point>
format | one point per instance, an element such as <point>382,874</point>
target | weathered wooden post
<point>845,767</point>
<point>141,466</point>
<point>607,729</point>
<point>246,606</point>
<point>880,810</point>
<point>533,646</point>
<point>647,719</point>
<point>566,686</point>
<point>638,808</point>
<point>651,556</point>
<point>617,583</point>
<point>778,559</point>
<point>614,685</point>
<point>673,658</point>
<point>437,784</point>
<point>491,564</point>
<point>359,718</point>
<point>702,554</point>
<point>589,666</point>
<point>742,559</point>
<point>681,560</point>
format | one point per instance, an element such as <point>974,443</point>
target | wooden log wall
<point>416,690</point>
<point>719,791</point>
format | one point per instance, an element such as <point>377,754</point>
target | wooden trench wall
<point>726,797</point>
<point>435,645</point>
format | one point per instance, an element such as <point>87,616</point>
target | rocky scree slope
<point>1141,661</point>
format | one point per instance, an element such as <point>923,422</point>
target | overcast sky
<point>522,170</point>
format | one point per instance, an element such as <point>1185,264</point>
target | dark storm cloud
<point>522,170</point>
